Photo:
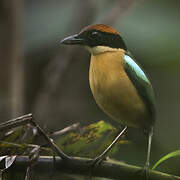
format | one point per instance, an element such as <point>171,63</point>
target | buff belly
<point>114,92</point>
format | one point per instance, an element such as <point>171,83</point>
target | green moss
<point>91,141</point>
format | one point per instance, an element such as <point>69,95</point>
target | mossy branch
<point>82,166</point>
<point>67,164</point>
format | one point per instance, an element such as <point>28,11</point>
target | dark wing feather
<point>143,86</point>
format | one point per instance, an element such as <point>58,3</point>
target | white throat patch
<point>101,49</point>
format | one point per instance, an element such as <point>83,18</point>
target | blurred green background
<point>39,75</point>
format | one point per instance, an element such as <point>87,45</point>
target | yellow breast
<point>113,90</point>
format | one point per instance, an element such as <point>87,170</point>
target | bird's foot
<point>96,161</point>
<point>145,171</point>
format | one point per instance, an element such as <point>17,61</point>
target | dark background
<point>39,75</point>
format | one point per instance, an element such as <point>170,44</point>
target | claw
<point>145,172</point>
<point>98,160</point>
<point>95,161</point>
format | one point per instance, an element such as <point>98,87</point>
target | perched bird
<point>118,84</point>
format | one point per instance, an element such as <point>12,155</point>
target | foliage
<point>166,157</point>
<point>87,141</point>
<point>90,141</point>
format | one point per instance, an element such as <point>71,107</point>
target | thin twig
<point>20,121</point>
<point>28,118</point>
<point>66,130</point>
<point>28,173</point>
<point>50,141</point>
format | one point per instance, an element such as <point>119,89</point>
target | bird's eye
<point>94,34</point>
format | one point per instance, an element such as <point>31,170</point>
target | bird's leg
<point>103,154</point>
<point>146,167</point>
<point>100,158</point>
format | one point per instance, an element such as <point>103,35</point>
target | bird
<point>119,85</point>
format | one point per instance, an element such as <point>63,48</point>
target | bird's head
<point>97,39</point>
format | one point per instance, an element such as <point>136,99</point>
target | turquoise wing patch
<point>136,69</point>
<point>142,84</point>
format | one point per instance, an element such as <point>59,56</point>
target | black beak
<point>72,40</point>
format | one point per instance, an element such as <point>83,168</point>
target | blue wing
<point>143,86</point>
